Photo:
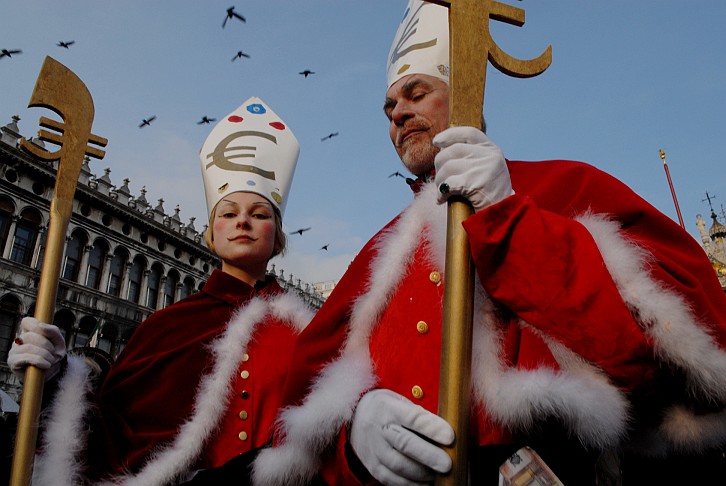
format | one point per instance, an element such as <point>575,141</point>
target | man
<point>598,326</point>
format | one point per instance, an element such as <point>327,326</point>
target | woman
<point>195,392</point>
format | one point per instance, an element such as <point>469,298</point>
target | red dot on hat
<point>235,119</point>
<point>278,125</point>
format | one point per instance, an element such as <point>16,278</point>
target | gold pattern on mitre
<point>421,44</point>
<point>250,150</point>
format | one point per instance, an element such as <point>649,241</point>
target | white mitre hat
<point>250,150</point>
<point>421,44</point>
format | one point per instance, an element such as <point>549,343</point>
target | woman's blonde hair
<point>280,238</point>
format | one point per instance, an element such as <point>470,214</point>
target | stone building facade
<point>124,257</point>
<point>714,243</point>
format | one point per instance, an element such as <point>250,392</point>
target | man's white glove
<point>396,439</point>
<point>39,344</point>
<point>470,165</point>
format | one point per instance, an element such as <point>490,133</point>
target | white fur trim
<point>593,409</point>
<point>578,394</point>
<point>172,461</point>
<point>667,318</point>
<point>64,435</point>
<point>306,430</point>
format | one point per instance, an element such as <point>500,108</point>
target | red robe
<point>199,383</point>
<point>592,310</point>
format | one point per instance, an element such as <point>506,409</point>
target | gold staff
<point>61,91</point>
<point>470,46</point>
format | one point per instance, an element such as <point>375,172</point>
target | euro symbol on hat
<point>221,154</point>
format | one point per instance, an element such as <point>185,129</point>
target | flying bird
<point>206,120</point>
<point>325,247</point>
<point>397,174</point>
<point>306,73</point>
<point>147,121</point>
<point>66,44</point>
<point>299,231</point>
<point>231,14</point>
<point>240,55</point>
<point>9,52</point>
<point>329,136</point>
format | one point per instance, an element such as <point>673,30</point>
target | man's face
<point>417,107</point>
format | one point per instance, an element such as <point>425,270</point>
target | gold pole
<point>456,349</point>
<point>470,45</point>
<point>60,90</point>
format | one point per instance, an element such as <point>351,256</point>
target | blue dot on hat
<point>257,109</point>
<point>251,183</point>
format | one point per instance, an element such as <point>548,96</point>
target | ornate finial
<point>107,170</point>
<point>143,190</point>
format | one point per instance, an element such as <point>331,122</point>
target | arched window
<point>116,271</point>
<point>26,233</point>
<point>107,338</point>
<point>86,327</point>
<point>7,209</point>
<point>135,277</point>
<point>187,288</point>
<point>172,280</point>
<point>65,319</point>
<point>74,252</point>
<point>152,285</point>
<point>9,318</point>
<point>95,264</point>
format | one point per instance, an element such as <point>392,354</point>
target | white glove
<point>39,344</point>
<point>395,439</point>
<point>470,165</point>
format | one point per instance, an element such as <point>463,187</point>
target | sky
<point>628,78</point>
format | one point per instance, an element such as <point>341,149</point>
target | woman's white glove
<point>470,165</point>
<point>39,344</point>
<point>396,439</point>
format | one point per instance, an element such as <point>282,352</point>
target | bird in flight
<point>147,121</point>
<point>397,174</point>
<point>299,231</point>
<point>240,55</point>
<point>306,73</point>
<point>325,247</point>
<point>9,52</point>
<point>66,44</point>
<point>329,136</point>
<point>206,120</point>
<point>231,14</point>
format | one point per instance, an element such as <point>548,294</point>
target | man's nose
<point>401,112</point>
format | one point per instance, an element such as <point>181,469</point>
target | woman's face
<point>244,232</point>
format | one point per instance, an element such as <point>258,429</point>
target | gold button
<point>422,327</point>
<point>245,374</point>
<point>242,435</point>
<point>245,357</point>
<point>243,415</point>
<point>435,277</point>
<point>417,392</point>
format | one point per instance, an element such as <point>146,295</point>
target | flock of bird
<point>231,15</point>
